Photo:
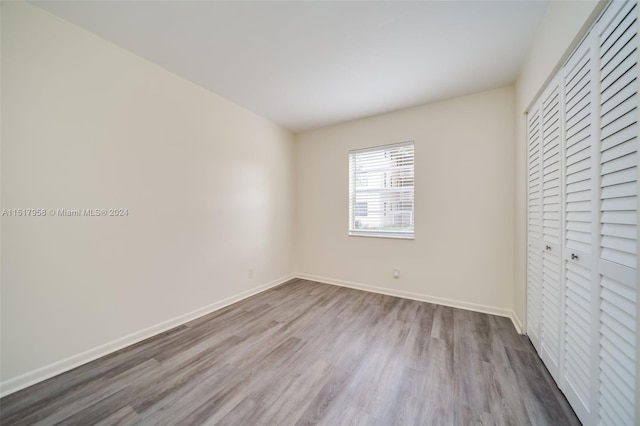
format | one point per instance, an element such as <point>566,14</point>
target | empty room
<point>319,212</point>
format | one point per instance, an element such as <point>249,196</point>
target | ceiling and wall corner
<point>305,65</point>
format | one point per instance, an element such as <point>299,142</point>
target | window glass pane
<point>381,182</point>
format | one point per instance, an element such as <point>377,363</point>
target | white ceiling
<point>309,64</point>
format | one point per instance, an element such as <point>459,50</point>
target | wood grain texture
<point>309,353</point>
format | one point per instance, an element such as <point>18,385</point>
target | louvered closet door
<point>617,264</point>
<point>551,220</point>
<point>534,226</point>
<point>580,378</point>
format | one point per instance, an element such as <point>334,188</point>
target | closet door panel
<point>618,204</point>
<point>580,233</point>
<point>534,227</point>
<point>551,225</point>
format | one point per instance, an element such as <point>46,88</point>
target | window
<point>381,191</point>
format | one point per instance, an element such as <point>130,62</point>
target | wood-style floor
<point>310,353</point>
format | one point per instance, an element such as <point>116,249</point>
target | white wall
<point>560,31</point>
<point>464,201</point>
<point>86,124</point>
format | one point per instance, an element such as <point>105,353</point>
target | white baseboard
<point>517,323</point>
<point>17,383</point>
<point>476,307</point>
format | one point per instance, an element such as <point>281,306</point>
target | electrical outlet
<point>396,273</point>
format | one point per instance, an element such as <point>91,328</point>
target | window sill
<point>382,235</point>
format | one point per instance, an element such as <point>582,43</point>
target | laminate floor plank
<point>438,387</point>
<point>308,353</point>
<point>126,416</point>
<point>93,393</point>
<point>289,406</point>
<point>43,393</point>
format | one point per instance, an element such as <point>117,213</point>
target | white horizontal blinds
<point>382,190</point>
<point>534,265</point>
<point>617,267</point>
<point>580,204</point>
<point>551,267</point>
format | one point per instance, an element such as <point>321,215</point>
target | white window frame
<point>353,195</point>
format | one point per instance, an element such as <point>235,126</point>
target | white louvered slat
<point>620,217</point>
<point>617,267</point>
